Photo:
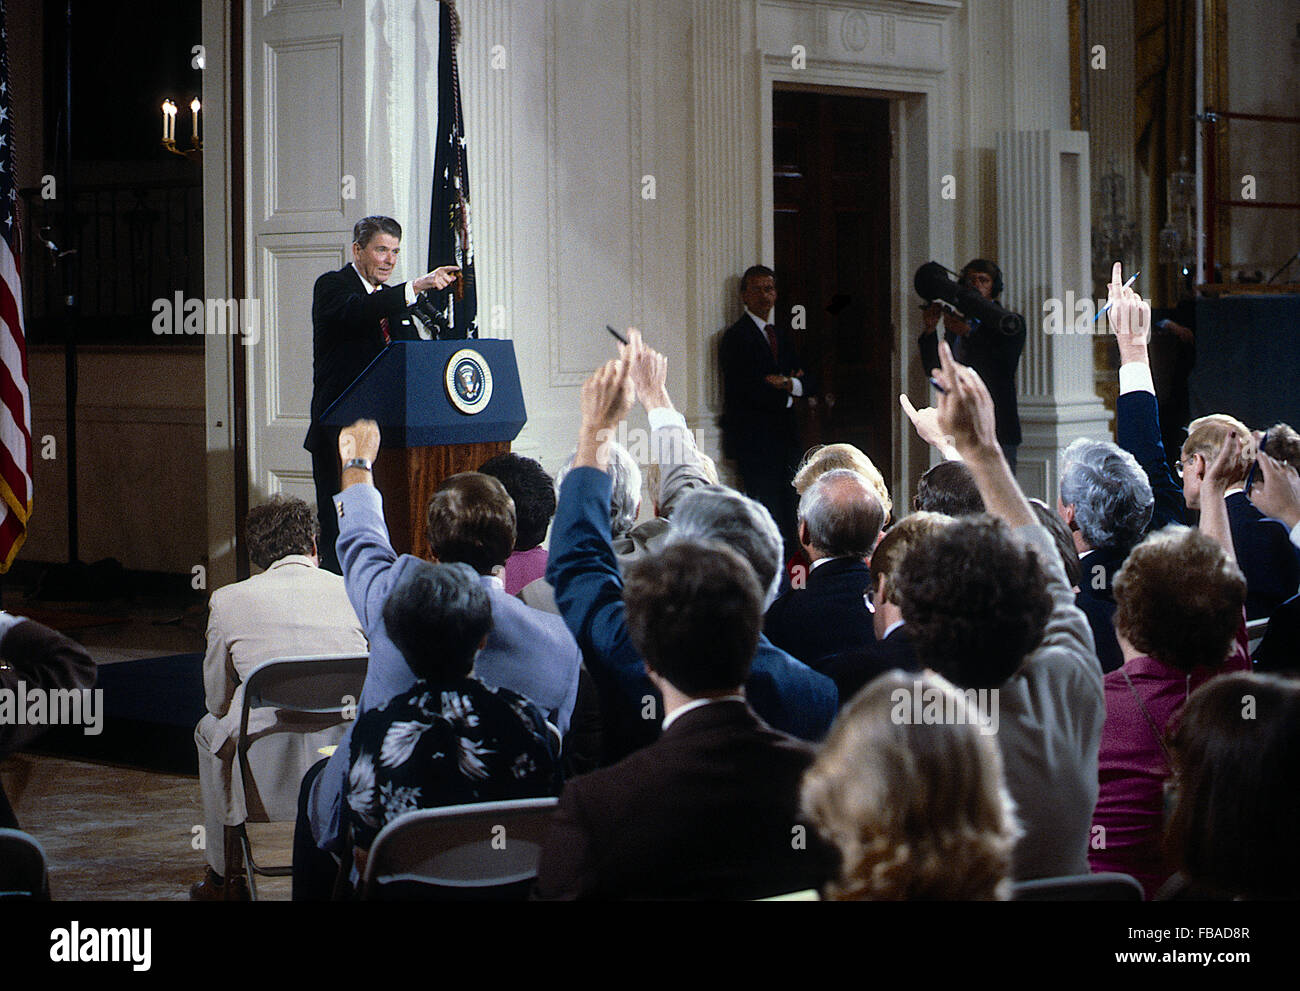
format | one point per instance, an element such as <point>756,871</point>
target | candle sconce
<point>169,110</point>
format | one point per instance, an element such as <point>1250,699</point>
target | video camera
<point>934,282</point>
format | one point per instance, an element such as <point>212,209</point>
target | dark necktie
<point>771,340</point>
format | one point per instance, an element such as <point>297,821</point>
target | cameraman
<point>990,352</point>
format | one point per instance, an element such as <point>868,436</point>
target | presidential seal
<point>469,381</point>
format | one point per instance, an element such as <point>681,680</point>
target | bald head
<point>840,515</point>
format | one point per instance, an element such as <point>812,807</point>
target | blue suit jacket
<point>828,616</point>
<point>528,651</point>
<point>1137,430</point>
<point>788,695</point>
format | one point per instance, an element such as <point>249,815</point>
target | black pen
<point>938,386</point>
<point>617,336</point>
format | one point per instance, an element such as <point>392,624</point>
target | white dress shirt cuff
<point>410,294</point>
<point>1295,535</point>
<point>796,387</point>
<point>8,621</point>
<point>664,416</point>
<point>1136,377</point>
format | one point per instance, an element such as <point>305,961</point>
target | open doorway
<point>832,231</point>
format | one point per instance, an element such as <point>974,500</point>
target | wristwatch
<point>365,464</point>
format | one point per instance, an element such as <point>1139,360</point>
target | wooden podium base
<point>407,479</point>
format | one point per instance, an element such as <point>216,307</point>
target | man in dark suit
<point>891,645</point>
<point>761,379</point>
<point>1106,501</point>
<point>710,810</point>
<point>354,315</point>
<point>990,352</point>
<point>839,522</point>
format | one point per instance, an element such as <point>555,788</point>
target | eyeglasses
<point>1178,468</point>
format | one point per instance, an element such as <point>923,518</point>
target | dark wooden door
<point>832,213</point>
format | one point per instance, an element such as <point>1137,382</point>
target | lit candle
<point>164,112</point>
<point>194,108</point>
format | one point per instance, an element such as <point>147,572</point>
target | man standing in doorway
<point>761,379</point>
<point>990,352</point>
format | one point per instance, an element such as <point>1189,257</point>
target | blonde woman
<point>908,787</point>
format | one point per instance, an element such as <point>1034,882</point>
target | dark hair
<point>1053,524</point>
<point>753,272</point>
<point>1284,444</point>
<point>533,492</point>
<point>1236,757</point>
<point>694,612</point>
<point>368,227</point>
<point>437,615</point>
<point>897,541</point>
<point>1179,598</point>
<point>988,268</point>
<point>975,600</point>
<point>472,519</point>
<point>281,526</point>
<point>948,488</point>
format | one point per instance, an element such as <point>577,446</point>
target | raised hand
<point>1276,490</point>
<point>649,371</point>
<point>1129,317</point>
<point>965,406</point>
<point>360,440</point>
<point>926,422</point>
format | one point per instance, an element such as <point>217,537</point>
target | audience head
<point>472,520</point>
<point>888,556</point>
<point>438,616</point>
<point>830,457</point>
<point>1054,525</point>
<point>694,612</point>
<point>533,492</point>
<point>1105,495</point>
<point>975,601</point>
<point>716,513</point>
<point>1284,444</point>
<point>840,516</point>
<point>281,526</point>
<point>625,487</point>
<point>1179,598</point>
<point>653,474</point>
<point>1205,438</point>
<point>917,810</point>
<point>948,488</point>
<point>1236,759</point>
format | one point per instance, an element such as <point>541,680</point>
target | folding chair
<point>22,867</point>
<point>1255,630</point>
<point>315,687</point>
<point>1103,887</point>
<point>488,850</point>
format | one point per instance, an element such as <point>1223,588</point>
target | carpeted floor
<point>113,833</point>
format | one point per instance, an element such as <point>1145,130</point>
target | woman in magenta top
<point>1181,621</point>
<point>533,492</point>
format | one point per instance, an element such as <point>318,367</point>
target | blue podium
<point>443,407</point>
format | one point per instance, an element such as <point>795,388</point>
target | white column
<point>1043,235</point>
<point>724,215</point>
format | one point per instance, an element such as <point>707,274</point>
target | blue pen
<point>938,386</point>
<point>1131,279</point>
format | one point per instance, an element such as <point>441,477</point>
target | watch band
<point>365,464</point>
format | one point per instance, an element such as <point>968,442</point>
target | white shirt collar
<point>364,281</point>
<point>698,704</point>
<point>293,559</point>
<point>494,581</point>
<point>891,628</point>
<point>762,324</point>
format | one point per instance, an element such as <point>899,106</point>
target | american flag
<point>449,228</point>
<point>15,401</point>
